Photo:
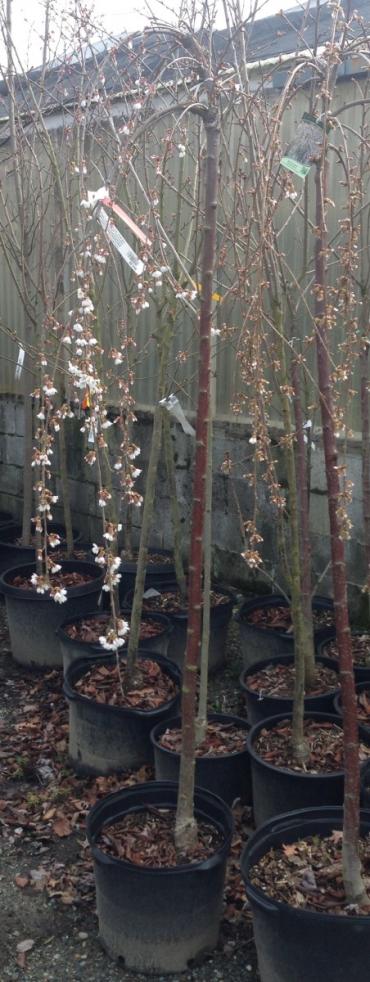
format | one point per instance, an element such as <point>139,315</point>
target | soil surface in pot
<point>277,680</point>
<point>280,619</point>
<point>307,874</point>
<point>90,629</point>
<point>147,838</point>
<point>324,741</point>
<point>107,684</point>
<point>221,738</point>
<point>171,602</point>
<point>153,558</point>
<point>66,580</point>
<point>360,650</point>
<point>83,555</point>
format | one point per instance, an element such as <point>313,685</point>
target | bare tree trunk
<point>201,721</point>
<point>27,455</point>
<point>186,829</point>
<point>175,515</point>
<point>65,489</point>
<point>365,445</point>
<point>304,522</point>
<point>164,341</point>
<point>353,882</point>
<point>298,741</point>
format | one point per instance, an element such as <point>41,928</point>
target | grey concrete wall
<point>232,498</point>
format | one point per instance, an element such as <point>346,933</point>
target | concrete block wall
<point>232,497</point>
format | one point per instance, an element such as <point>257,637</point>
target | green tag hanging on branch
<point>306,146</point>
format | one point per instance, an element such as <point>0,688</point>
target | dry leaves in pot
<point>171,602</point>
<point>220,739</point>
<point>153,558</point>
<point>277,680</point>
<point>279,618</point>
<point>89,629</point>
<point>324,740</point>
<point>360,650</point>
<point>64,580</point>
<point>308,874</point>
<point>106,684</point>
<point>146,838</point>
<point>363,706</point>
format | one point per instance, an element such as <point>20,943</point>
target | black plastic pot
<point>337,702</point>
<point>158,919</point>
<point>33,618</point>
<point>277,788</point>
<point>14,555</point>
<point>260,707</point>
<point>72,648</point>
<point>105,739</point>
<point>262,642</point>
<point>228,776</point>
<point>362,674</point>
<point>220,620</point>
<point>5,518</point>
<point>297,945</point>
<point>155,572</point>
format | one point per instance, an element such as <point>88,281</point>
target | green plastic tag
<point>293,165</point>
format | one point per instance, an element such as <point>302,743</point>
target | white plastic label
<point>174,407</point>
<point>120,243</point>
<point>19,365</point>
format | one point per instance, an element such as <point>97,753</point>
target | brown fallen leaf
<point>49,814</point>
<point>25,945</point>
<point>22,881</point>
<point>22,948</point>
<point>62,827</point>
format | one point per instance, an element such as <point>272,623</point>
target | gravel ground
<point>64,932</point>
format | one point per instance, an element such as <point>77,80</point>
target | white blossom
<point>111,644</point>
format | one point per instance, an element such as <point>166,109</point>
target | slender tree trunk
<point>146,525</point>
<point>27,455</point>
<point>201,721</point>
<point>186,830</point>
<point>304,522</point>
<point>65,489</point>
<point>365,444</point>
<point>354,886</point>
<point>174,506</point>
<point>164,342</point>
<point>298,741</point>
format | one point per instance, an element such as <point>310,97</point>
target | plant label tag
<point>174,407</point>
<point>119,243</point>
<point>19,365</point>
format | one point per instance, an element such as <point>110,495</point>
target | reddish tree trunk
<point>304,523</point>
<point>351,865</point>
<point>365,427</point>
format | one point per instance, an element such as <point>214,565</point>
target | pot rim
<point>81,666</point>
<point>9,590</point>
<point>265,832</point>
<point>66,638</point>
<point>174,721</point>
<point>167,786</point>
<point>182,614</point>
<point>321,776</point>
<point>279,600</point>
<point>286,659</point>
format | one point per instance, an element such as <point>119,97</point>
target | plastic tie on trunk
<point>306,146</point>
<point>174,407</point>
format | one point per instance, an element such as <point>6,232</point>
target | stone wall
<point>232,500</point>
